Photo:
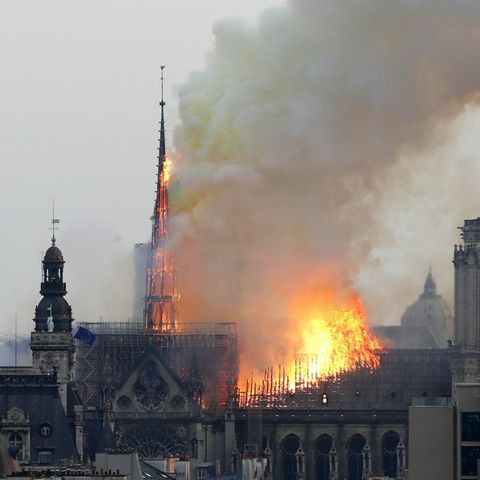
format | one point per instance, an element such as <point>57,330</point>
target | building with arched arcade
<point>162,397</point>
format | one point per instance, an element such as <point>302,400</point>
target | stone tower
<point>466,261</point>
<point>52,343</point>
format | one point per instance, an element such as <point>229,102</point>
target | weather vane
<point>54,221</point>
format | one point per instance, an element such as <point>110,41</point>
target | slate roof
<point>38,397</point>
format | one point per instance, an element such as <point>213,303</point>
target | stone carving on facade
<point>150,390</point>
<point>152,441</point>
<point>15,416</point>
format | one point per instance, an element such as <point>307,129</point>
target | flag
<point>85,335</point>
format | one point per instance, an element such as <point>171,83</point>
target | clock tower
<point>52,344</point>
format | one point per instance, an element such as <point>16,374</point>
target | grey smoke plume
<point>301,141</point>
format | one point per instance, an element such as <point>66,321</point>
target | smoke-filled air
<point>313,144</point>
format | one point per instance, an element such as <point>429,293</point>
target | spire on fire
<point>161,299</point>
<point>162,151</point>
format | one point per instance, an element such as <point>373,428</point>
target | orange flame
<point>330,338</point>
<point>166,171</point>
<point>335,337</point>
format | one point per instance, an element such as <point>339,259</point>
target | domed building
<point>430,312</point>
<point>426,323</point>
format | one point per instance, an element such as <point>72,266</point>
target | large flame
<point>166,170</point>
<point>334,338</point>
<point>329,337</point>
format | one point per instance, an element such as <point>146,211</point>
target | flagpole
<point>15,341</point>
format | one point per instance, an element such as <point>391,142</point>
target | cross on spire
<point>54,221</point>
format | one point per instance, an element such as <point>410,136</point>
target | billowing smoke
<point>302,141</point>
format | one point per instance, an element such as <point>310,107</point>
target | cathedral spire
<point>160,312</point>
<point>162,150</point>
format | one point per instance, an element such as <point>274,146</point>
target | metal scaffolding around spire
<point>161,299</point>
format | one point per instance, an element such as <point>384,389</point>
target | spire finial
<point>430,285</point>
<point>53,221</point>
<point>162,152</point>
<point>161,71</point>
<point>162,149</point>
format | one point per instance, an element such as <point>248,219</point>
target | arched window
<point>389,453</point>
<point>15,441</point>
<point>355,457</point>
<point>290,445</point>
<point>323,445</point>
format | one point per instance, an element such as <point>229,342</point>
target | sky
<point>79,93</point>
<point>352,126</point>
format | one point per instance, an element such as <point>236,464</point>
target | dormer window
<point>15,442</point>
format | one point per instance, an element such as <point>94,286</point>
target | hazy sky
<point>384,92</point>
<point>79,92</point>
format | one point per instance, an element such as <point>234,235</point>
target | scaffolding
<point>203,351</point>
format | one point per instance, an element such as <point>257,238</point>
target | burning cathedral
<point>169,390</point>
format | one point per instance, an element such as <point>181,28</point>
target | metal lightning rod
<point>15,340</point>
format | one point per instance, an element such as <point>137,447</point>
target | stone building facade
<point>351,427</point>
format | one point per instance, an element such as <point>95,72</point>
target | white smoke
<point>304,147</point>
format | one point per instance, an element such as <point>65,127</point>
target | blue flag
<point>85,335</point>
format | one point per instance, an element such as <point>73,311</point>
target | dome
<point>430,310</point>
<point>53,254</point>
<point>58,309</point>
<point>53,308</point>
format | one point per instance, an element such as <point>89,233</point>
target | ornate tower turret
<point>52,343</point>
<point>466,260</point>
<point>53,312</point>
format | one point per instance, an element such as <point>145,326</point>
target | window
<point>470,456</point>
<point>322,452</point>
<point>45,456</point>
<point>45,430</point>
<point>471,427</point>
<point>355,457</point>
<point>291,444</point>
<point>203,472</point>
<point>389,451</point>
<point>15,442</point>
